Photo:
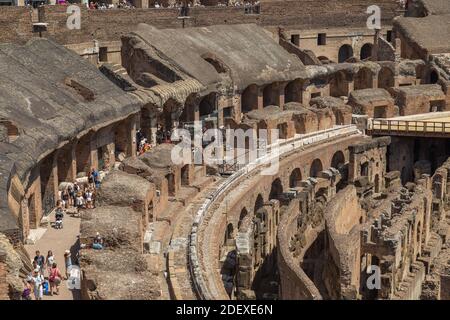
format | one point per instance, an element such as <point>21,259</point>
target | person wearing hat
<point>38,281</point>
<point>68,262</point>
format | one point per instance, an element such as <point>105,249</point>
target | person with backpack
<point>55,279</point>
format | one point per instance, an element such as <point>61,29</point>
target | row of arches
<point>346,52</point>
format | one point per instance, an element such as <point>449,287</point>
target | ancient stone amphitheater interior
<point>357,91</point>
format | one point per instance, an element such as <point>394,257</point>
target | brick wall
<point>110,25</point>
<point>15,24</point>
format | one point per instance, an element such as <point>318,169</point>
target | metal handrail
<point>409,126</point>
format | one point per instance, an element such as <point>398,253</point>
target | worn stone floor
<point>59,240</point>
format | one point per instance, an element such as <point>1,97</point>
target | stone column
<point>260,98</point>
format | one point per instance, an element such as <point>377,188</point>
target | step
<point>35,235</point>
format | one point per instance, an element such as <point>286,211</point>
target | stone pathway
<point>59,240</point>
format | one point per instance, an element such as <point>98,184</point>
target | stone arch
<point>259,203</point>
<point>366,51</point>
<point>276,189</point>
<point>208,105</point>
<point>316,167</point>
<point>242,216</point>
<point>345,52</point>
<point>433,77</point>
<point>339,84</point>
<point>249,99</point>
<point>293,91</point>
<point>338,160</point>
<point>172,109</point>
<point>386,78</point>
<point>229,233</point>
<point>363,79</point>
<point>295,178</point>
<point>271,95</point>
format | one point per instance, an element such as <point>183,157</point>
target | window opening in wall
<point>295,39</point>
<point>321,39</point>
<point>103,54</point>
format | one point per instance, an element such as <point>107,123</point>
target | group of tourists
<point>103,6</point>
<point>46,276</point>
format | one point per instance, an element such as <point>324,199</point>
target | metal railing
<point>408,126</point>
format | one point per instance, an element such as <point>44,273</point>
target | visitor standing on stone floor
<point>38,282</point>
<point>68,262</point>
<point>79,201</point>
<point>40,260</point>
<point>54,278</point>
<point>49,261</point>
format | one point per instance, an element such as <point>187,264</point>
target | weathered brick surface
<point>109,25</point>
<point>15,24</point>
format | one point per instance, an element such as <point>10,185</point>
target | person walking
<point>54,278</point>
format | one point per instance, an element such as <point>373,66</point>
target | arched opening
<point>320,267</point>
<point>208,105</point>
<point>282,130</point>
<point>229,234</point>
<point>295,178</point>
<point>366,51</point>
<point>185,175</point>
<point>47,177</point>
<point>316,167</point>
<point>339,85</point>
<point>258,203</point>
<point>249,99</point>
<point>276,190</point>
<point>434,77</point>
<point>338,160</point>
<point>386,78</point>
<point>293,91</point>
<point>363,79</point>
<point>345,52</point>
<point>83,149</point>
<point>242,216</point>
<point>171,184</point>
<point>271,95</point>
